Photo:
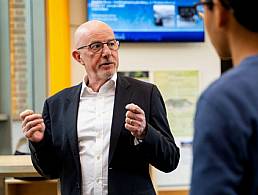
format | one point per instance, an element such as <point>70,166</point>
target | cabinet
<point>21,166</point>
<point>23,187</point>
<point>174,191</point>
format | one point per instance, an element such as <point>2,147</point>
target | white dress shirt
<point>94,127</point>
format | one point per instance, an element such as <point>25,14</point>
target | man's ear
<point>222,15</point>
<point>77,56</point>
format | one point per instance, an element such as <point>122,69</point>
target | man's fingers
<point>133,122</point>
<point>33,126</point>
<point>36,133</point>
<point>134,112</point>
<point>29,118</point>
<point>135,130</point>
<point>28,126</point>
<point>33,130</point>
<point>137,117</point>
<point>25,113</point>
<point>132,128</point>
<point>134,108</point>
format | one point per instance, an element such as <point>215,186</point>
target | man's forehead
<point>93,31</point>
<point>97,35</point>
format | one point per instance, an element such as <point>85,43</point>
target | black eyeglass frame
<point>102,43</point>
<point>208,3</point>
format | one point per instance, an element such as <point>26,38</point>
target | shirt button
<point>98,181</point>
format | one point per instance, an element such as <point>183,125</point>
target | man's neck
<point>243,44</point>
<point>96,85</point>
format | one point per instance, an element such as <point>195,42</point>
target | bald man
<point>100,136</point>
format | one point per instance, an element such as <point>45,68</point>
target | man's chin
<point>107,74</point>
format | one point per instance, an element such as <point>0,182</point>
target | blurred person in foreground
<point>100,136</point>
<point>225,146</point>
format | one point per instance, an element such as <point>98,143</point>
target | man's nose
<point>106,51</point>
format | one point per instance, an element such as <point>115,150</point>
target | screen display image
<point>148,20</point>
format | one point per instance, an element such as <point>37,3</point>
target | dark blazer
<point>57,155</point>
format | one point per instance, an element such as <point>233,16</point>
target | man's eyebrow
<point>102,41</point>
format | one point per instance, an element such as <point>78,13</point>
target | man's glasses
<point>199,6</point>
<point>97,47</point>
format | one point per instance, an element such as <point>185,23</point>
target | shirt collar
<point>108,86</point>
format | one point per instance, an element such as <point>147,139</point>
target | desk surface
<point>17,166</point>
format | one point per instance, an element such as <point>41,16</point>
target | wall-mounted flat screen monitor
<point>149,20</point>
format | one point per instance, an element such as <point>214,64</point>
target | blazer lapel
<point>122,98</point>
<point>70,116</point>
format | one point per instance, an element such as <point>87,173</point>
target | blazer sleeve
<point>43,155</point>
<point>158,146</point>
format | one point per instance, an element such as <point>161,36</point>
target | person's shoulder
<point>233,88</point>
<point>65,93</point>
<point>136,82</point>
<point>234,80</point>
<point>223,86</point>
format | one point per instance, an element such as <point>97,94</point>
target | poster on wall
<point>180,89</point>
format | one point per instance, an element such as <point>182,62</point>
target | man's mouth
<point>106,63</point>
